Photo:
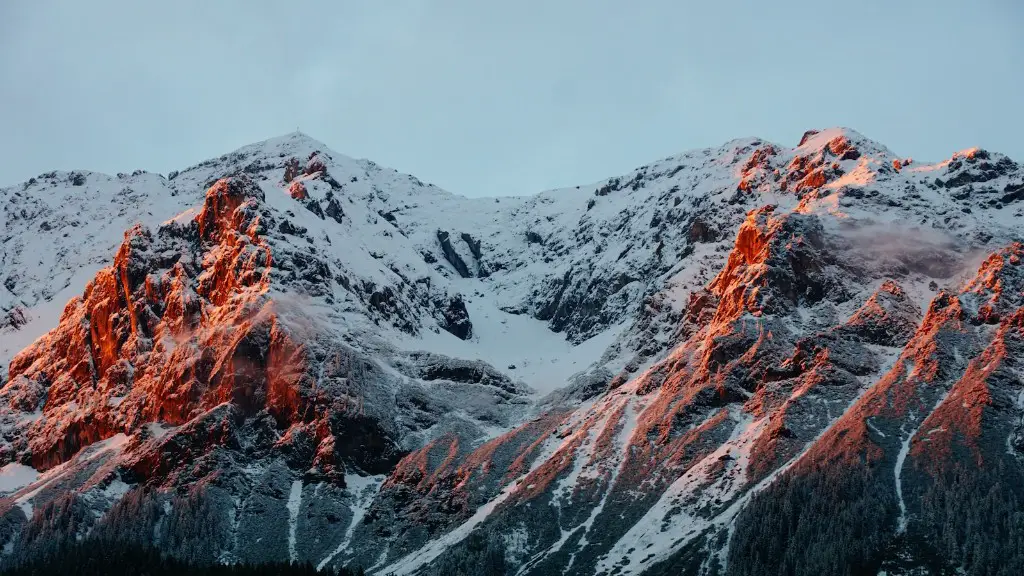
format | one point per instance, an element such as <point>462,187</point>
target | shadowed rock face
<point>290,370</point>
<point>451,255</point>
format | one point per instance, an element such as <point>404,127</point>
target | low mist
<point>891,250</point>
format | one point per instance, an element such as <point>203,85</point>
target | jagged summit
<point>816,139</point>
<point>284,353</point>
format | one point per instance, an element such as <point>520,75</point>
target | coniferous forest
<point>98,558</point>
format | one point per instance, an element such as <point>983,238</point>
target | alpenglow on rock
<point>745,360</point>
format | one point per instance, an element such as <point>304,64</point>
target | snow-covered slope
<point>316,358</point>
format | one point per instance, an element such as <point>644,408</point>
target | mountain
<point>750,359</point>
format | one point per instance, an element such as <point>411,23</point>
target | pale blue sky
<point>486,98</point>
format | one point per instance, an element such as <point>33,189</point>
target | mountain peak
<point>816,139</point>
<point>295,143</point>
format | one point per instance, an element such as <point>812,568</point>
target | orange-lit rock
<point>169,339</point>
<point>815,179</point>
<point>297,190</point>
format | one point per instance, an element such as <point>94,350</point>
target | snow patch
<point>518,345</point>
<point>116,489</point>
<point>294,501</point>
<point>15,476</point>
<point>159,429</point>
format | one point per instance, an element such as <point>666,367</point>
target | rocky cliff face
<point>687,369</point>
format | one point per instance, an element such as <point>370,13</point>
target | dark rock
<point>14,318</point>
<point>456,318</point>
<point>315,165</point>
<point>286,227</point>
<point>314,207</point>
<point>431,367</point>
<point>474,245</point>
<point>612,185</point>
<point>334,210</point>
<point>701,232</point>
<point>851,154</point>
<point>474,249</point>
<point>451,255</point>
<point>1014,192</point>
<point>291,169</point>
<point>806,136</point>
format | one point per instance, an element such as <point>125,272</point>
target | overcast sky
<point>488,98</point>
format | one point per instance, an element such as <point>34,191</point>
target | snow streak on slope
<point>623,440</point>
<point>294,501</point>
<point>669,524</point>
<point>363,489</point>
<point>419,558</point>
<point>901,458</point>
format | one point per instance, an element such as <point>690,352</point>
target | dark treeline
<point>818,522</point>
<point>973,519</point>
<point>98,558</point>
<point>480,554</point>
<point>964,520</point>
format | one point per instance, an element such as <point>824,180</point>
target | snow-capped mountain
<point>751,359</point>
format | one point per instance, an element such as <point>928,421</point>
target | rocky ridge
<point>312,364</point>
